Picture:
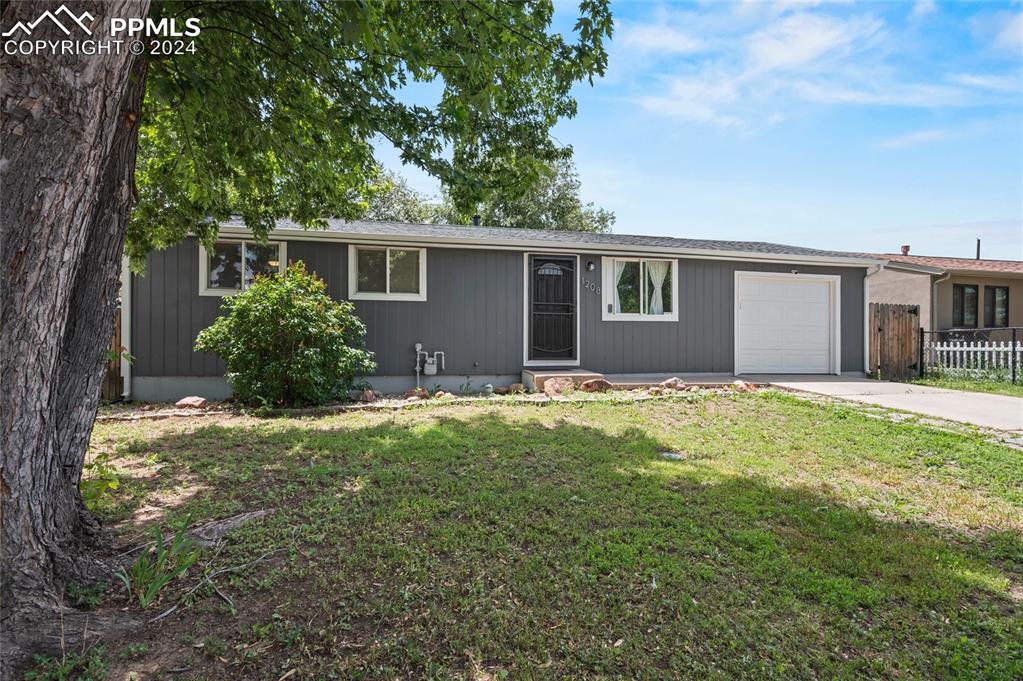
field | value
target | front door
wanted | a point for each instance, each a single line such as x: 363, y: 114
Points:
x: 552, y: 309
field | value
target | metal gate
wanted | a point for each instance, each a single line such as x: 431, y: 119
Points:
x: 894, y: 341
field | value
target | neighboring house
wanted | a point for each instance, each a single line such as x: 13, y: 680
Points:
x: 953, y: 293
x: 498, y: 301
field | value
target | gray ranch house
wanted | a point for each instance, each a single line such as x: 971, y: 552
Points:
x: 496, y: 305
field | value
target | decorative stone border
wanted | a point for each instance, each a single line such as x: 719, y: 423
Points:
x: 392, y: 404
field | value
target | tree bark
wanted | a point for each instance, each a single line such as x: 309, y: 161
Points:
x: 68, y: 128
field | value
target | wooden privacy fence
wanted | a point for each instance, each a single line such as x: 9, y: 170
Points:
x: 113, y: 382
x: 894, y: 341
x: 974, y: 357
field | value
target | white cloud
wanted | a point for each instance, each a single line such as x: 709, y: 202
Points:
x: 922, y: 8
x: 1010, y: 37
x: 747, y: 8
x: 914, y: 138
x: 802, y: 38
x: 754, y: 66
x: 660, y: 38
x: 881, y: 94
x: 700, y: 99
x: 1012, y: 83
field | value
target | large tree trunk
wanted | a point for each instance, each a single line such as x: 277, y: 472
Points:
x: 68, y: 131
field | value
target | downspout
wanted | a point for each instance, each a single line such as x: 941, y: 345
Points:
x: 934, y: 298
x: 126, y: 327
x: 866, y: 317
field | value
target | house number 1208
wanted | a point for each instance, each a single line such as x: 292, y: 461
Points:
x: 592, y: 286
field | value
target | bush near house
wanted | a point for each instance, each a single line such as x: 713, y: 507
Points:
x: 286, y: 342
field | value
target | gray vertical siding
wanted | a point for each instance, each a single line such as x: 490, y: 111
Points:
x: 473, y: 311
x: 703, y: 338
x: 168, y: 313
x: 474, y: 314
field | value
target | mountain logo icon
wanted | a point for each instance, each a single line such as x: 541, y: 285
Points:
x: 69, y: 17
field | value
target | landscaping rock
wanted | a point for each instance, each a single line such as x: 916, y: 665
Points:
x: 364, y: 396
x: 502, y: 390
x: 655, y: 390
x: 191, y: 402
x: 443, y: 395
x: 487, y: 390
x: 673, y: 383
x: 595, y: 385
x: 516, y: 388
x: 674, y: 456
x: 559, y: 385
x: 743, y: 387
x: 417, y: 393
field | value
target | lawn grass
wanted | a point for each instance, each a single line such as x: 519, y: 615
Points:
x: 793, y: 540
x: 973, y: 385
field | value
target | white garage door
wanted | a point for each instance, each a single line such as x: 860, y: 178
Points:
x: 785, y: 324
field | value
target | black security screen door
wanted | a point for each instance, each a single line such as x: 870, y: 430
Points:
x: 552, y: 308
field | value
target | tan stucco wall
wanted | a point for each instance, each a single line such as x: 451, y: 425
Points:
x: 904, y: 288
x: 944, y: 299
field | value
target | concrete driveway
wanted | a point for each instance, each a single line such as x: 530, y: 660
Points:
x: 980, y: 409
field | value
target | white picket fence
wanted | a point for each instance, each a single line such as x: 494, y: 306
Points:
x: 973, y: 357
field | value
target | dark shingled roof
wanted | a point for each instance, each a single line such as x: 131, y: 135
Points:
x: 462, y: 232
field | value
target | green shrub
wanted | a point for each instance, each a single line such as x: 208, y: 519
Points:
x: 286, y: 342
x: 147, y: 576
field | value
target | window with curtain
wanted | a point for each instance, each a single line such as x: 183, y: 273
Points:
x: 964, y: 305
x: 996, y: 306
x: 639, y: 288
x: 232, y: 266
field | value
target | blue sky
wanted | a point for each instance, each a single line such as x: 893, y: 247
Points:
x: 853, y: 126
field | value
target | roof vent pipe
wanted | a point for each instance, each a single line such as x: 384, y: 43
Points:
x: 905, y: 250
x: 476, y: 220
x: 978, y: 249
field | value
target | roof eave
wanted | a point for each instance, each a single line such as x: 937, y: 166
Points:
x: 555, y: 246
x: 912, y: 267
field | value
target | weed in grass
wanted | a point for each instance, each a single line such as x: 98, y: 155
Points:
x: 148, y: 575
x: 90, y: 665
x: 85, y: 597
x: 213, y: 646
x: 99, y: 480
x: 135, y: 650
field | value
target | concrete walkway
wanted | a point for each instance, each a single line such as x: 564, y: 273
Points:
x: 1000, y: 412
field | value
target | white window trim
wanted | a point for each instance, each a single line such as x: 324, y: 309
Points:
x: 204, y: 266
x: 526, y: 362
x: 608, y: 295
x: 353, y: 279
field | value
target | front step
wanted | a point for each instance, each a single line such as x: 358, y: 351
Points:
x: 534, y: 379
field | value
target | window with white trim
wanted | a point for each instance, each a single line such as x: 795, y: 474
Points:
x: 640, y: 289
x: 232, y: 265
x: 386, y: 273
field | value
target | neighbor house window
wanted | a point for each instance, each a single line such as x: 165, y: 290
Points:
x: 964, y: 305
x: 996, y: 306
x: 640, y: 289
x: 386, y: 273
x: 232, y: 266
